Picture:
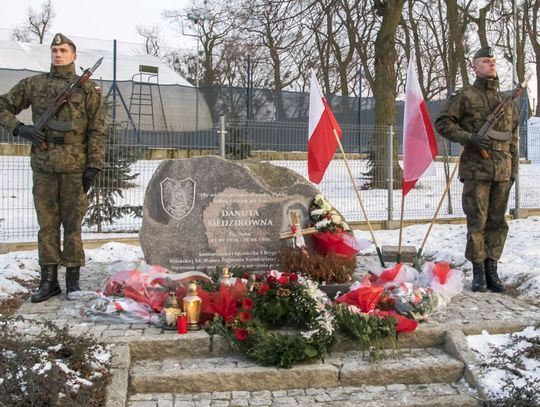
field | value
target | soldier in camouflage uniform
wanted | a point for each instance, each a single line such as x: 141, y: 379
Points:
x: 66, y: 157
x: 486, y: 182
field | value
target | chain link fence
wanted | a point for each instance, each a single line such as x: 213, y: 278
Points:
x: 116, y: 205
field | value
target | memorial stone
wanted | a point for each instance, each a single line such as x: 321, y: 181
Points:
x: 204, y: 212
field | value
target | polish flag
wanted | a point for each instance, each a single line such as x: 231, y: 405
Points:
x: 322, y: 142
x: 419, y: 144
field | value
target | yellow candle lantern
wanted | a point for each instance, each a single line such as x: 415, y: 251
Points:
x: 192, y: 307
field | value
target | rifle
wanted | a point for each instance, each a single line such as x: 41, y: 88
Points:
x: 46, y: 118
x: 498, y: 112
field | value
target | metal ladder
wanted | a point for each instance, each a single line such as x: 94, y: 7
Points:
x: 141, y: 101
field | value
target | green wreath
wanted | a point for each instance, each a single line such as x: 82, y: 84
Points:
x: 284, y: 320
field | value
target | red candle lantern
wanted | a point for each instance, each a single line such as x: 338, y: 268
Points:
x: 181, y: 323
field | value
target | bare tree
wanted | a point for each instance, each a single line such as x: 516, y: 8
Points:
x: 384, y: 90
x: 212, y: 22
x: 152, y: 39
x: 532, y: 22
x: 37, y: 25
x: 276, y: 27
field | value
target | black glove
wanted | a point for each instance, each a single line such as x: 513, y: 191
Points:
x: 480, y: 143
x: 29, y: 132
x: 90, y: 174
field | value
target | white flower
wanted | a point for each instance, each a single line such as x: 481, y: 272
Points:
x: 274, y: 273
x: 309, y: 334
x: 317, y: 212
x: 322, y: 223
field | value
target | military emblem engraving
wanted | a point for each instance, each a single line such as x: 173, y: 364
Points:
x: 178, y: 197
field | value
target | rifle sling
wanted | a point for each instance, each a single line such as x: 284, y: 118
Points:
x: 60, y: 126
x: 58, y: 140
x: 499, y: 135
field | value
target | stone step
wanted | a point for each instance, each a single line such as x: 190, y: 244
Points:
x: 395, y: 395
x: 170, y: 344
x: 236, y: 373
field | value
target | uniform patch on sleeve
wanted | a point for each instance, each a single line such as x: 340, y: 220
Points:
x: 97, y: 89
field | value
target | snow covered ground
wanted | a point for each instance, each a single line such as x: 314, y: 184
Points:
x: 519, y: 266
x: 18, y: 221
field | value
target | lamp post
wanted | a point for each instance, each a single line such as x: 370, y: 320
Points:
x: 197, y: 16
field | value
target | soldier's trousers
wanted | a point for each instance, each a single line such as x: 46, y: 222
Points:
x: 59, y: 200
x: 484, y: 204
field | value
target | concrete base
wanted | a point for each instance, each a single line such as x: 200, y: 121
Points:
x: 391, y: 224
x: 520, y: 213
x: 408, y: 253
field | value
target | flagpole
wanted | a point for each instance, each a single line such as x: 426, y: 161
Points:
x: 379, y: 253
x: 398, y: 259
x: 416, y: 263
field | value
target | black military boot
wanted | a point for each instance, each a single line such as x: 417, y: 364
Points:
x: 492, y: 278
x: 48, y: 286
x: 479, y: 278
x: 72, y: 280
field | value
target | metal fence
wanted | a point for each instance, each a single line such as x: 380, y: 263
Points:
x: 136, y: 155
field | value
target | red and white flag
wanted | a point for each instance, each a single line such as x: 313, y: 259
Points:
x: 419, y: 144
x: 322, y: 142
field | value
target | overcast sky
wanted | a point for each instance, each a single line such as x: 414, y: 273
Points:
x: 118, y: 19
x: 103, y: 19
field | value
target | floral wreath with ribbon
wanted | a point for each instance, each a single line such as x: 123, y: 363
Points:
x: 325, y: 217
x: 283, y: 320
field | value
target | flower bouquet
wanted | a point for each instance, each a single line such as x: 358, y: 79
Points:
x: 334, y: 235
x: 444, y: 280
x: 147, y: 284
x: 358, y: 316
x: 412, y: 300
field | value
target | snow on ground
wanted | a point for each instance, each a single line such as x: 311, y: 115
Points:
x: 519, y: 265
x: 18, y: 220
x: 508, y: 358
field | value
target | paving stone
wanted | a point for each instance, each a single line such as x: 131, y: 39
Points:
x: 296, y: 392
x: 141, y: 397
x: 239, y: 402
x: 221, y: 395
x: 260, y: 401
x: 142, y: 404
x: 240, y: 394
x: 201, y: 396
x: 315, y: 392
x: 396, y: 387
x: 284, y: 402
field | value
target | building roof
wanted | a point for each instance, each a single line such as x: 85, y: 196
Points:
x: 36, y: 58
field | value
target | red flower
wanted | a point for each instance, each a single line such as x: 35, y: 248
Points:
x: 271, y: 279
x: 244, y: 317
x: 283, y: 280
x: 293, y: 277
x: 247, y: 303
x: 241, y: 334
x: 264, y: 288
x: 245, y: 276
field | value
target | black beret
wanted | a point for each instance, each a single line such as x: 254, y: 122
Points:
x: 486, y: 52
x: 60, y: 39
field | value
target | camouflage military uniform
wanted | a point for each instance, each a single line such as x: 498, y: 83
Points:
x: 487, y: 182
x: 57, y: 171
